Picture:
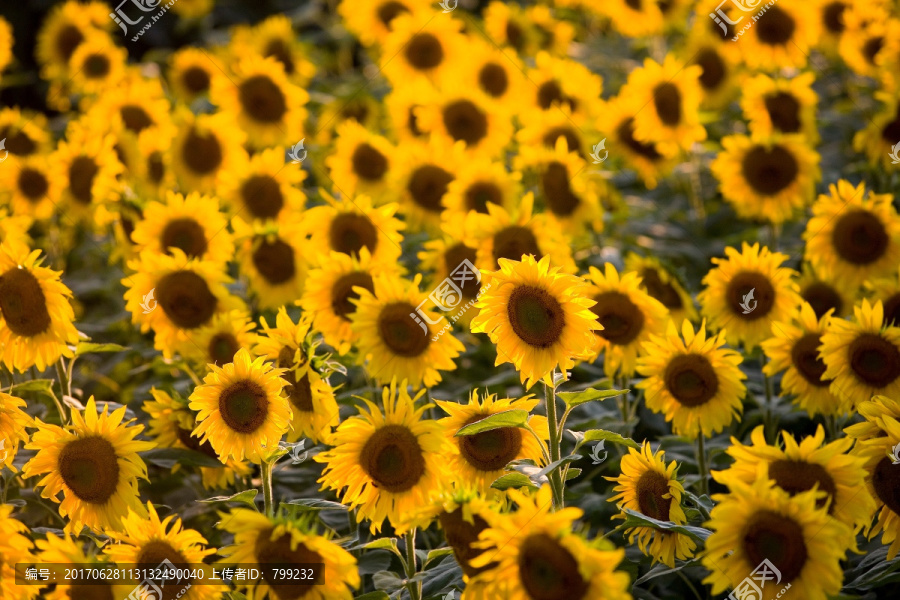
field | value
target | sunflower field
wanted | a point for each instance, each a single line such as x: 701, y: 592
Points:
x: 449, y: 300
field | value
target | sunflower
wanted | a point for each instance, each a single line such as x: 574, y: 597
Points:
x: 35, y: 311
x: 14, y: 228
x: 794, y: 349
x: 90, y: 168
x: 781, y: 105
x: 862, y: 355
x: 468, y: 116
x: 760, y: 521
x: 350, y: 224
x: 748, y: 291
x: 824, y: 295
x: 508, y: 25
x: 282, y: 541
x: 134, y: 106
x: 263, y: 187
x: 13, y: 421
x: 273, y: 257
x: 421, y: 45
x: 275, y: 38
x: 634, y: 19
x: 386, y: 465
x: 97, y: 65
x: 190, y: 74
x: 32, y: 187
x: 261, y: 99
x: 617, y: 124
x: 315, y: 411
x: 443, y: 256
x: 187, y: 292
x: 767, y: 178
x: 881, y: 133
x: 563, y: 84
x: 649, y: 486
x: 552, y: 34
x: 66, y: 552
x: 545, y: 128
x: 874, y: 412
x: 170, y: 426
x: 361, y: 161
x: 888, y: 58
x: 867, y: 27
x: 832, y: 26
x: 93, y: 463
x: 205, y: 148
x: 422, y: 179
x: 15, y: 548
x: 629, y: 317
x: 331, y: 290
x: 6, y: 44
x: 396, y: 333
x: 692, y: 380
x: 370, y: 21
x: 241, y: 409
x: 538, y: 317
x: 66, y: 27
x: 481, y: 458
x: 191, y: 223
x: 538, y: 555
x: 782, y: 37
x: 662, y: 285
x: 494, y: 73
x: 26, y: 134
x: 853, y: 235
x: 887, y: 290
x: 218, y: 341
x: 402, y: 104
x: 477, y: 184
x: 144, y: 540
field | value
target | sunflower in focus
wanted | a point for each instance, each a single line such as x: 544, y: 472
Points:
x: 361, y: 161
x: 315, y: 411
x: 15, y: 547
x: 190, y: 74
x: 68, y: 552
x: 824, y: 295
x: 13, y: 421
x: 387, y: 464
x: 32, y: 188
x: 273, y: 257
x: 650, y: 486
x: 421, y: 45
x: 767, y: 178
x: 538, y: 556
x: 881, y: 133
x: 862, y: 355
x: 93, y: 463
x: 285, y: 540
x: 187, y: 291
x: 853, y: 235
x: 35, y: 311
x: 145, y: 539
x: 205, y: 148
x: 219, y: 340
x: 538, y: 317
x: 191, y: 223
x: 874, y: 412
x: 781, y: 106
x: 240, y: 408
x: 781, y: 38
x: 794, y: 349
x: 692, y: 380
x: 628, y: 314
x: 748, y: 291
x: 396, y: 333
x: 263, y: 187
x: 662, y: 285
x: 482, y: 458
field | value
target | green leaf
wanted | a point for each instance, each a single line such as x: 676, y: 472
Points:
x: 388, y: 581
x: 589, y: 395
x: 436, y: 554
x: 572, y: 473
x: 35, y: 385
x: 245, y: 497
x: 507, y: 418
x: 596, y: 435
x: 557, y: 464
x: 89, y: 347
x: 169, y: 457
x: 636, y: 519
x: 379, y: 595
x: 316, y: 504
x: 512, y: 480
x: 660, y: 570
x: 379, y: 544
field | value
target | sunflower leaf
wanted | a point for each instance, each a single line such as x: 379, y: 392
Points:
x: 636, y: 519
x: 316, y: 504
x: 507, y: 418
x: 512, y: 480
x: 596, y: 435
x: 557, y: 464
x: 573, y: 399
x: 381, y: 543
x: 245, y: 497
x: 89, y: 347
x: 387, y: 580
x: 436, y: 554
x: 379, y: 595
x: 35, y: 385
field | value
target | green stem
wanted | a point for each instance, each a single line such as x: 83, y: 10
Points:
x: 540, y: 442
x: 555, y: 477
x: 414, y: 587
x: 265, y: 469
x: 701, y: 465
x: 64, y: 389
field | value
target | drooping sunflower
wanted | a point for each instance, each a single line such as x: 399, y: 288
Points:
x: 650, y: 486
x: 862, y: 355
x: 97, y: 64
x: 35, y: 311
x: 781, y: 105
x: 259, y: 97
x: 90, y: 169
x: 481, y: 458
x: 538, y: 556
x: 801, y: 467
x: 386, y: 464
x: 396, y: 328
x: 315, y: 411
x: 628, y: 314
x: 190, y: 73
x: 32, y: 187
x: 421, y: 45
x: 767, y: 178
x: 468, y: 116
x: 219, y: 340
x: 538, y: 317
x: 13, y: 421
x: 748, y: 291
x: 170, y: 426
x: 205, y: 148
x: 794, y: 349
x: 662, y: 285
x: 760, y: 521
x: 15, y: 548
x: 174, y: 295
x: 66, y: 551
x: 874, y: 412
x: 273, y: 257
x: 145, y: 539
x: 263, y: 187
x: 782, y: 37
x: 881, y: 133
x: 853, y: 235
x: 275, y: 38
x: 617, y: 124
x: 824, y: 294
x: 671, y: 93
x: 477, y: 184
x: 361, y: 162
x: 422, y: 178
x: 692, y: 380
x: 93, y: 463
x: 191, y: 223
x: 283, y: 541
x: 240, y: 408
